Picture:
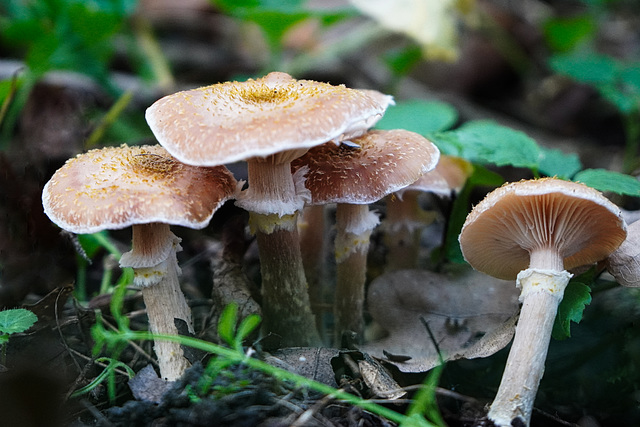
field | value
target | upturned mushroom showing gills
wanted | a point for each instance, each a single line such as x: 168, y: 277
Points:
x: 534, y: 231
x: 268, y: 122
x: 143, y: 187
x: 379, y: 163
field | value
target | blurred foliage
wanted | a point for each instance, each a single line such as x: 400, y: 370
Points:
x: 574, y: 44
x: 276, y: 17
x: 65, y: 35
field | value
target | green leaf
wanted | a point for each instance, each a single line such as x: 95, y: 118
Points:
x: 625, y: 103
x: 563, y: 34
x: 423, y: 117
x: 16, y: 320
x: 553, y: 162
x: 401, y: 61
x: 247, y: 326
x: 227, y: 324
x: 275, y: 17
x: 576, y: 297
x: 606, y: 180
x: 488, y: 142
x: 586, y: 67
x: 630, y: 76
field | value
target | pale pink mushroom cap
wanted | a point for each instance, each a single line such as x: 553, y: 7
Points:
x: 577, y: 221
x: 232, y: 121
x: 116, y: 187
x: 449, y: 175
x: 384, y: 162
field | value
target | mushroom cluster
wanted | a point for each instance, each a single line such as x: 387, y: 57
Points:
x: 533, y: 231
x: 354, y: 176
x: 268, y: 122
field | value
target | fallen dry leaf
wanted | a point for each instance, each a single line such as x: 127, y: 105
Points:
x: 467, y: 314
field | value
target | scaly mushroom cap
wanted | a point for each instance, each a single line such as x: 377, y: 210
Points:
x: 624, y: 262
x: 116, y: 187
x: 233, y: 121
x: 384, y: 162
x: 517, y: 218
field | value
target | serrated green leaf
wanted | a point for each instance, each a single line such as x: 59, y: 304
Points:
x: 553, y: 162
x: 606, y: 180
x: 485, y: 142
x: 16, y: 320
x: 423, y: 117
x: 576, y: 297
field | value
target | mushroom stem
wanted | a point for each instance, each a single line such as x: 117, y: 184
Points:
x: 285, y: 300
x: 153, y: 258
x: 541, y: 293
x: 311, y: 227
x: 354, y: 224
x: 273, y: 200
x: 404, y: 223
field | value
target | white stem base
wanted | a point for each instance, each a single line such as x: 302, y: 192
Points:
x: 166, y: 302
x: 542, y: 291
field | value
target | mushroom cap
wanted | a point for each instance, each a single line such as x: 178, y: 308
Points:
x: 116, y: 187
x: 384, y: 161
x: 517, y: 218
x: 450, y: 174
x: 624, y: 262
x: 232, y: 121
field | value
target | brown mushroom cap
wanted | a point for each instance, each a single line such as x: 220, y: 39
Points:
x: 116, y: 187
x: 450, y: 174
x: 384, y: 162
x: 520, y: 217
x: 233, y: 121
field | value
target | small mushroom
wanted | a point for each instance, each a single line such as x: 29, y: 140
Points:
x: 534, y: 231
x: 405, y: 217
x: 624, y: 262
x: 378, y: 163
x: 145, y: 188
x: 267, y: 122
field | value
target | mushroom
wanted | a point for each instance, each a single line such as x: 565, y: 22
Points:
x: 405, y: 217
x: 145, y: 188
x: 534, y: 231
x: 268, y: 122
x: 624, y: 262
x: 353, y: 176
